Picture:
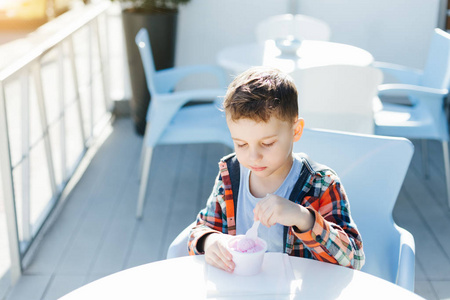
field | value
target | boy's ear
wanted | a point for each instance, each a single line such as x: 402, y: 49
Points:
x: 298, y: 128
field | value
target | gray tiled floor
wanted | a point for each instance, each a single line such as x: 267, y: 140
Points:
x: 422, y: 209
x: 96, y: 232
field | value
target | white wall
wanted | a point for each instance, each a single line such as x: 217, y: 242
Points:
x: 207, y: 26
x: 397, y: 31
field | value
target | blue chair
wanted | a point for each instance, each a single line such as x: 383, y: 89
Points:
x: 425, y: 118
x: 362, y: 162
x: 169, y: 120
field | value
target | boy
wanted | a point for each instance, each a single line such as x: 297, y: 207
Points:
x: 302, y: 204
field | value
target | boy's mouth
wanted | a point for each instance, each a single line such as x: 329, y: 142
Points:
x: 257, y: 169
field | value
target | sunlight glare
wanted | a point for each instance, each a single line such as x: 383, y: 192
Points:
x: 24, y: 9
x: 5, y: 3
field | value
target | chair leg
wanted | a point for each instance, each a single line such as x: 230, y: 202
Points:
x: 447, y: 169
x: 144, y: 181
x: 144, y: 147
x: 425, y: 167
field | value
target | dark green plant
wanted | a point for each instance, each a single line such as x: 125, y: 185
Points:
x: 151, y: 5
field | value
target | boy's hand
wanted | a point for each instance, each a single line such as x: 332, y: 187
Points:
x: 216, y: 253
x: 274, y: 209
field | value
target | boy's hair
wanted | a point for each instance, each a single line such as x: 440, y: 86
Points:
x: 259, y: 93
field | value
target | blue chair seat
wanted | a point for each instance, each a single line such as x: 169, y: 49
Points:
x: 202, y: 123
x: 412, y: 121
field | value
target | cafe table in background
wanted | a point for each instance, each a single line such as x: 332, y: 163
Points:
x: 308, y: 53
x: 281, y: 277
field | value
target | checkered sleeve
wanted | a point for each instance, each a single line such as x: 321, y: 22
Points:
x: 334, y: 236
x: 210, y: 219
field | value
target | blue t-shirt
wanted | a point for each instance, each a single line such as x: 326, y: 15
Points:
x: 247, y: 202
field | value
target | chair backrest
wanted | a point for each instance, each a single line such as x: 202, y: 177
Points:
x: 436, y: 73
x: 338, y: 97
x: 145, y: 49
x: 298, y: 26
x: 372, y: 170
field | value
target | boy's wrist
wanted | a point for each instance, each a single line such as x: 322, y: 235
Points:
x: 209, y: 239
x: 305, y: 221
x: 202, y: 243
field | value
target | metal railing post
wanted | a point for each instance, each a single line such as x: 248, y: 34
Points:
x: 8, y: 192
x: 62, y: 111
x: 45, y: 127
x: 26, y: 207
x: 77, y: 89
x: 103, y: 73
x: 91, y: 80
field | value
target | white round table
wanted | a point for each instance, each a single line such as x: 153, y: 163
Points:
x: 310, y: 54
x: 281, y: 277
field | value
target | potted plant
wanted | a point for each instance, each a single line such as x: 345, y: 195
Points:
x: 160, y: 19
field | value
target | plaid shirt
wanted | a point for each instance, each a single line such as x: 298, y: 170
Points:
x: 333, y: 238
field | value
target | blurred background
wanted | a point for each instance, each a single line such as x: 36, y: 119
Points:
x: 70, y: 57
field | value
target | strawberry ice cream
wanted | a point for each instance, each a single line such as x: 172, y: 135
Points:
x: 248, y: 254
x: 245, y: 245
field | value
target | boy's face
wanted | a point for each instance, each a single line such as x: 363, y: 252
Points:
x: 265, y: 148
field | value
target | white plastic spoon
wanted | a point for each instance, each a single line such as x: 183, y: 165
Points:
x: 252, y: 233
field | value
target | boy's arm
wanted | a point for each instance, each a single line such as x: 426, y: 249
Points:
x: 211, y: 219
x: 334, y: 237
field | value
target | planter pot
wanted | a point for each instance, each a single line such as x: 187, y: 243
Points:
x: 162, y: 31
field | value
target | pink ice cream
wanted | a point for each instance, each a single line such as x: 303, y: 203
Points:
x: 248, y: 254
x: 245, y: 245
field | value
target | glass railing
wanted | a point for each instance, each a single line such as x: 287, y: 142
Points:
x: 53, y: 103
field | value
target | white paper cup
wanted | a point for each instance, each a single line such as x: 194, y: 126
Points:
x: 247, y: 263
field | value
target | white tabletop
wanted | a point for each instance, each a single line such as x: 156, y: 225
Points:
x: 310, y: 54
x: 281, y: 277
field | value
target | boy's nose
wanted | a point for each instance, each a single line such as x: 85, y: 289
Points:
x: 255, y: 155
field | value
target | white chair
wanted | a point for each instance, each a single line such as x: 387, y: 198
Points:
x: 372, y: 170
x: 338, y: 97
x: 298, y: 27
x: 426, y: 90
x: 169, y: 121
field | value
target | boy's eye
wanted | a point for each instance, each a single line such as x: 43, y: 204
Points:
x: 241, y: 145
x: 268, y: 144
